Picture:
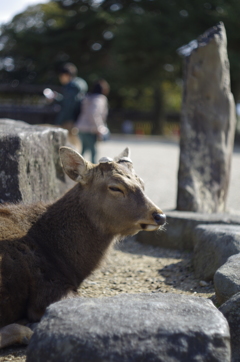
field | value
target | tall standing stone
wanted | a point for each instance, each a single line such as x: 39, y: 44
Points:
x: 207, y: 124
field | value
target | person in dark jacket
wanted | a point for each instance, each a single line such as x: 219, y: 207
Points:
x: 74, y: 90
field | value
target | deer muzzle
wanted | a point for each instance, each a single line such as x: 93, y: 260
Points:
x: 160, y: 219
x: 157, y: 221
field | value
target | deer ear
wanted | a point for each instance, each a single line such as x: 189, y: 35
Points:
x: 74, y: 164
x: 124, y: 153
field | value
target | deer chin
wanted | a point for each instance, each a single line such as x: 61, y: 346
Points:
x: 149, y: 227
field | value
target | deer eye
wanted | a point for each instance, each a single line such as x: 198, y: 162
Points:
x: 115, y: 189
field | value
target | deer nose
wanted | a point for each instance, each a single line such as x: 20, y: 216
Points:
x: 159, y: 218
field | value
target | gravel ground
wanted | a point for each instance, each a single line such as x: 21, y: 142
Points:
x: 132, y: 267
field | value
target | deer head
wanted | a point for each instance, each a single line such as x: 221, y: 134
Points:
x: 112, y: 193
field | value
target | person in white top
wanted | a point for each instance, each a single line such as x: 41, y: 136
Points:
x: 92, y: 119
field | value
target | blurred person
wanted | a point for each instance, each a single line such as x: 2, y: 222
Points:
x: 91, y: 123
x: 73, y: 91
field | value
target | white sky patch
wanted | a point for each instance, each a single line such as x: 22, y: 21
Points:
x: 10, y: 8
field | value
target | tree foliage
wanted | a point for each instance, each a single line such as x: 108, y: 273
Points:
x: 132, y: 43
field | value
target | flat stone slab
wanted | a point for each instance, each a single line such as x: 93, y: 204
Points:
x: 30, y: 168
x: 213, y: 245
x: 180, y: 229
x: 227, y: 279
x: 231, y: 311
x: 131, y: 327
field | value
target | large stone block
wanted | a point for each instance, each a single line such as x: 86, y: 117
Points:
x: 213, y: 245
x: 227, y: 279
x: 130, y: 328
x: 30, y: 167
x: 231, y: 311
x: 207, y: 124
x: 180, y: 228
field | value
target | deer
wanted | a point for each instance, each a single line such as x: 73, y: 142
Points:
x: 47, y: 250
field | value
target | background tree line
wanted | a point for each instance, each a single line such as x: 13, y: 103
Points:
x: 131, y: 43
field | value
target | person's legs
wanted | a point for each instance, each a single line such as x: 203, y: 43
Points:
x: 92, y: 146
x: 83, y: 138
x: 89, y: 143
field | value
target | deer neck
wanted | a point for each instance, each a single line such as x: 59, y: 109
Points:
x: 70, y: 237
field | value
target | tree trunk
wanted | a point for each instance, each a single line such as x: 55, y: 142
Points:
x: 158, y: 121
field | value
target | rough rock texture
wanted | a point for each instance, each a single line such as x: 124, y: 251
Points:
x: 207, y: 124
x: 227, y: 279
x: 231, y: 311
x: 180, y: 229
x: 140, y: 327
x: 30, y: 167
x: 214, y: 244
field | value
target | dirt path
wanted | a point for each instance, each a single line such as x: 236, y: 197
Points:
x: 132, y: 267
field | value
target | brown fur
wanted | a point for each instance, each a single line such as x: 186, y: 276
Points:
x: 46, y: 251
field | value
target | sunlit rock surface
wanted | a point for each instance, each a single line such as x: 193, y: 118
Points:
x: 207, y: 124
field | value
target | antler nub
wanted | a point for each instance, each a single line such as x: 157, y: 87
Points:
x: 125, y: 159
x: 105, y: 160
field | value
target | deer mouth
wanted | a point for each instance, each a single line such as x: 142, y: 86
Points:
x: 160, y: 220
x: 149, y: 227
